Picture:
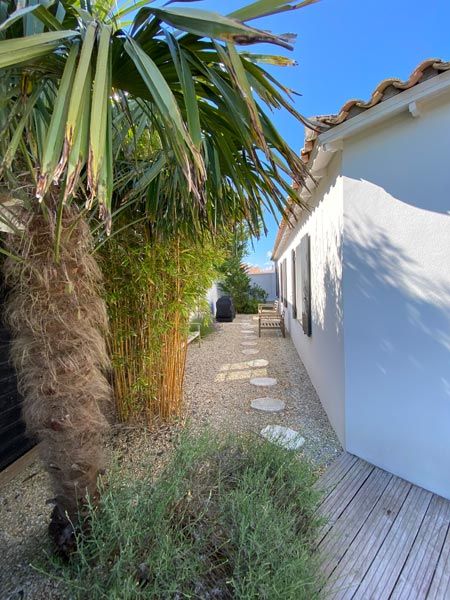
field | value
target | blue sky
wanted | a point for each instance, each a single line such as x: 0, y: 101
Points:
x: 343, y: 49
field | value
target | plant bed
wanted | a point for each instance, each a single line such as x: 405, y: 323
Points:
x: 225, y: 519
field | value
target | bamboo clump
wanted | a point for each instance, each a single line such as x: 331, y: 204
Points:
x: 150, y: 303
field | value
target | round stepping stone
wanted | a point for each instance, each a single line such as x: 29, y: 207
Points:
x: 258, y: 362
x: 287, y: 438
x: 268, y: 404
x: 250, y: 351
x: 263, y: 381
x: 249, y: 343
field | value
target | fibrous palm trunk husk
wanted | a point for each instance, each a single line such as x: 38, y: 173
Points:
x: 58, y: 320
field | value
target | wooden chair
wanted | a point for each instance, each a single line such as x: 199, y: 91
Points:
x: 270, y: 316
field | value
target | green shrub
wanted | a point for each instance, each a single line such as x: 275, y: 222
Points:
x: 231, y: 519
x: 204, y: 318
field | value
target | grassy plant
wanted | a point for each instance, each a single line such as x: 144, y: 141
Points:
x: 226, y: 519
x: 153, y: 285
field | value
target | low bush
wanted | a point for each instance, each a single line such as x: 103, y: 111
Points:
x: 206, y: 322
x: 227, y: 519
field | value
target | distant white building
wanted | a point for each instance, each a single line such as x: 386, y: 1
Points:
x: 365, y: 275
x: 266, y: 279
x: 212, y: 295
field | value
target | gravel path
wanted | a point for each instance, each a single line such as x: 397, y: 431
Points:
x: 218, y: 396
x: 219, y: 393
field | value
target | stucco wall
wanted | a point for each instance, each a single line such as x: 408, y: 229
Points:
x: 397, y: 296
x: 268, y: 283
x: 212, y: 295
x: 322, y: 353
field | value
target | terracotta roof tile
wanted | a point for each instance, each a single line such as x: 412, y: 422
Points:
x: 385, y: 89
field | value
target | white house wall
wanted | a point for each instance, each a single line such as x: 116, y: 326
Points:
x: 212, y: 295
x: 396, y: 297
x: 323, y: 352
x: 267, y: 281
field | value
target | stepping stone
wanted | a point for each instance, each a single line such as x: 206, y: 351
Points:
x: 287, y: 438
x: 258, y: 362
x: 268, y: 404
x: 263, y: 381
x: 249, y: 343
x: 250, y: 351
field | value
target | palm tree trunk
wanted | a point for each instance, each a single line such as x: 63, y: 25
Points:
x: 58, y: 320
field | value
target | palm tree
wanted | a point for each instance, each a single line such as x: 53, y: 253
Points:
x: 83, y: 92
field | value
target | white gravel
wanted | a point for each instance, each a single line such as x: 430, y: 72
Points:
x: 218, y: 395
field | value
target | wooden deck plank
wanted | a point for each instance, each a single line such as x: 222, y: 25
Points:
x: 337, y: 500
x: 356, y: 561
x: 380, y: 579
x: 336, y: 543
x: 440, y: 585
x: 334, y: 474
x: 417, y: 574
x: 385, y: 538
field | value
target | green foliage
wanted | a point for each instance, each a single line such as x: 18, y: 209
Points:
x: 235, y: 281
x: 152, y: 287
x: 226, y: 519
x: 205, y: 320
x: 84, y: 85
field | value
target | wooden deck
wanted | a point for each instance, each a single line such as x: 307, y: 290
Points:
x: 384, y: 537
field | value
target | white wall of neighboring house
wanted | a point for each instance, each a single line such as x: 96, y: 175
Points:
x: 266, y: 280
x: 397, y: 295
x: 323, y: 352
x: 212, y: 295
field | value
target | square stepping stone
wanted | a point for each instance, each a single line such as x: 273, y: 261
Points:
x: 263, y: 381
x: 268, y: 404
x: 287, y: 438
